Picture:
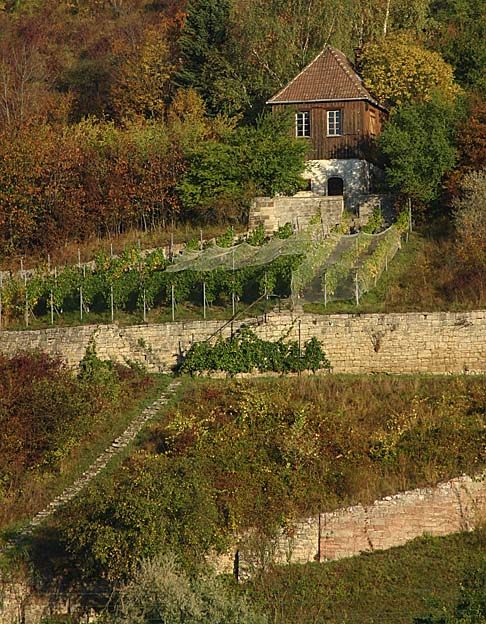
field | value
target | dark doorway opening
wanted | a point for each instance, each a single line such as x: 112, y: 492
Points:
x: 335, y: 186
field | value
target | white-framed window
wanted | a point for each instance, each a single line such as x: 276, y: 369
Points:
x: 302, y: 124
x: 334, y: 123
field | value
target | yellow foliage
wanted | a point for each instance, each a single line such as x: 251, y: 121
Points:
x: 143, y: 80
x: 397, y: 70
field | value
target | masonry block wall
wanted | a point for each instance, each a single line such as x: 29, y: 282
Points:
x: 439, y: 342
x: 299, y: 210
x: 457, y: 505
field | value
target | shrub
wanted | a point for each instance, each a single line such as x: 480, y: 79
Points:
x: 161, y: 592
x: 245, y: 351
x: 470, y: 224
x: 155, y: 503
x: 46, y: 411
x: 43, y: 412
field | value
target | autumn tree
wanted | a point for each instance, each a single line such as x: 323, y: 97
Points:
x: 25, y: 79
x: 459, y: 34
x: 397, y: 70
x: 471, y: 137
x: 23, y: 157
x: 142, y: 84
x: 470, y: 226
x: 471, y: 144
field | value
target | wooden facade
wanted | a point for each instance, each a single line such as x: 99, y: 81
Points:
x: 330, y: 83
x: 361, y: 123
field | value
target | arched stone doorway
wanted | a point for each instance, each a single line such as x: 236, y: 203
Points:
x: 335, y: 186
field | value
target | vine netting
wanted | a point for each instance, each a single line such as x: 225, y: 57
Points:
x: 304, y: 266
x: 242, y: 255
x: 344, y: 267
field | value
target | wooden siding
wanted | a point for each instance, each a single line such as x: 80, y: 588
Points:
x: 357, y: 128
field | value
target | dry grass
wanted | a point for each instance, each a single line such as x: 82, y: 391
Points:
x: 66, y: 253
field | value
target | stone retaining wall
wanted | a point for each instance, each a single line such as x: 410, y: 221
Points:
x: 451, y: 507
x: 298, y: 210
x: 454, y: 506
x: 439, y: 342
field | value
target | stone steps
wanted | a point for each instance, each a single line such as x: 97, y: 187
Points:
x: 99, y: 464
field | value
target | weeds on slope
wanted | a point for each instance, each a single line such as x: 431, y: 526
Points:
x: 233, y: 455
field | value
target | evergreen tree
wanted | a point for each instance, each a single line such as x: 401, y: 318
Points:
x: 203, y: 45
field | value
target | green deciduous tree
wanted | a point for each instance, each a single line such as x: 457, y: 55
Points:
x: 417, y: 143
x: 273, y: 161
x: 223, y: 176
x: 153, y: 506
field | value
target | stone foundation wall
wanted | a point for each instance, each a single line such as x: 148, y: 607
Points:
x: 298, y: 210
x: 20, y: 604
x: 439, y: 342
x: 355, y: 173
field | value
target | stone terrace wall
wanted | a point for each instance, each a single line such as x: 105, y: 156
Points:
x: 454, y: 506
x: 440, y: 342
x: 273, y: 212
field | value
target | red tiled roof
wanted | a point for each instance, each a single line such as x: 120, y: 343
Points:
x: 328, y: 77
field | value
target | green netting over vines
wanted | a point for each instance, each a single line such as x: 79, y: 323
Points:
x: 308, y: 266
x: 333, y: 267
x: 343, y: 267
x: 242, y: 255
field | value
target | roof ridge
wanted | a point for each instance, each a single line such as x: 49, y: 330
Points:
x: 297, y: 76
x: 351, y: 74
x: 330, y: 76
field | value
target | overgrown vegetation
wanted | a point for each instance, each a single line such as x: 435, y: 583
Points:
x: 471, y: 604
x: 245, y: 352
x: 237, y: 455
x: 143, y: 114
x: 470, y: 225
